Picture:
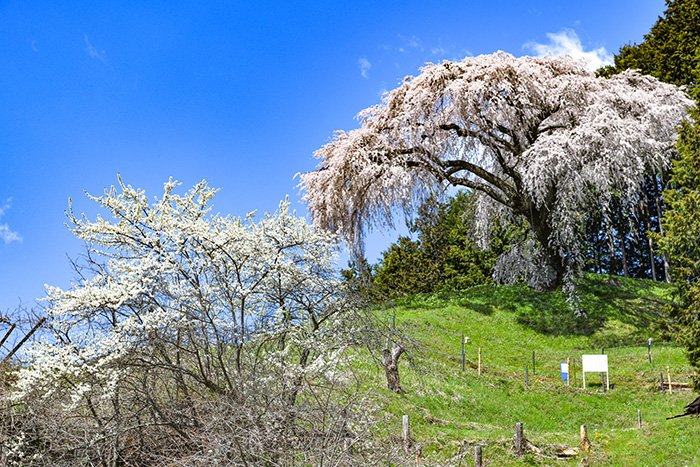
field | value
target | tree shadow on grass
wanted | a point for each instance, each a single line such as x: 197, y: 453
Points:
x: 601, y: 300
x: 476, y: 298
x: 635, y: 303
x: 630, y: 301
x: 548, y: 313
x: 483, y: 308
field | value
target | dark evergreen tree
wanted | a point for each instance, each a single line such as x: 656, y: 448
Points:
x: 443, y: 255
x: 671, y: 53
x: 681, y: 240
x: 671, y: 49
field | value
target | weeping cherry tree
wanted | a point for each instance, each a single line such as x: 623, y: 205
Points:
x: 540, y: 141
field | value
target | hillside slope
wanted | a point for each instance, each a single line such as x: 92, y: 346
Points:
x: 452, y: 410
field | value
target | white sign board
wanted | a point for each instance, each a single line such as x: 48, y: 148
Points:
x: 594, y: 363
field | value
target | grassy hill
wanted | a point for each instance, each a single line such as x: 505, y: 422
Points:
x: 452, y: 410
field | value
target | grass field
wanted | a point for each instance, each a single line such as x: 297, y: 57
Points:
x: 452, y: 410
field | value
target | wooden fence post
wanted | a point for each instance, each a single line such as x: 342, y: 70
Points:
x: 406, y: 434
x: 477, y: 457
x: 519, y: 440
x: 479, y: 364
x: 639, y: 417
x: 585, y: 442
x: 527, y: 378
x: 534, y: 372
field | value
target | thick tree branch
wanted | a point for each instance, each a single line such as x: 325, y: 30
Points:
x: 481, y: 187
x: 456, y: 165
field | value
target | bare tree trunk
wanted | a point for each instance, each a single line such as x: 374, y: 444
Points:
x: 391, y: 366
x: 625, y: 269
x: 657, y: 202
x: 647, y: 228
x: 612, y: 270
x: 651, y: 258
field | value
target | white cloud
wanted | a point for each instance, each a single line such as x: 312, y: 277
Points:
x: 93, y: 52
x: 567, y: 42
x: 365, y: 66
x: 410, y: 43
x: 7, y: 235
x: 441, y: 51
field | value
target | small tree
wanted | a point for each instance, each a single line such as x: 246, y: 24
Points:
x: 191, y: 339
x: 539, y: 139
x: 443, y: 256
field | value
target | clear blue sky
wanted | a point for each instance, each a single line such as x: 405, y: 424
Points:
x: 240, y: 93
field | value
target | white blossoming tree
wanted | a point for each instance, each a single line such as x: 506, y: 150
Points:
x: 540, y: 140
x: 192, y: 338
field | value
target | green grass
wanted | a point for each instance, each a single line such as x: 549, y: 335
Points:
x: 452, y: 410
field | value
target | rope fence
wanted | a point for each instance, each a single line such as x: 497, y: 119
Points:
x: 542, y: 371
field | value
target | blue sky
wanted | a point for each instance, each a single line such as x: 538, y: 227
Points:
x: 239, y: 93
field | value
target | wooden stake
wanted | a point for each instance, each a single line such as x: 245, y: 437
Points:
x: 534, y: 372
x: 406, y: 434
x: 463, y: 356
x: 527, y: 379
x: 585, y: 442
x: 668, y: 374
x: 479, y: 365
x: 477, y: 457
x: 639, y: 417
x: 519, y: 439
x: 573, y: 368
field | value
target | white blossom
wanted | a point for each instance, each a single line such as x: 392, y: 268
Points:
x: 170, y: 269
x: 539, y: 139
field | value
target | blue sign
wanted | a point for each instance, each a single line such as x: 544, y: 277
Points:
x: 564, y: 371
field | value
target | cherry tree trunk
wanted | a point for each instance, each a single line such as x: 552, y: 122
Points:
x: 539, y: 222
